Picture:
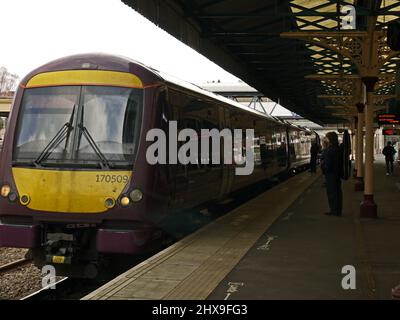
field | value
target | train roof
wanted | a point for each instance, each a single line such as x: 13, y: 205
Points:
x: 149, y: 75
x: 197, y: 89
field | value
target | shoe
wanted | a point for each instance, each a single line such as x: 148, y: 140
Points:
x: 387, y: 173
x: 328, y: 213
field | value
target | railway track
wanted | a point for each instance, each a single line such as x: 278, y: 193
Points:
x: 65, y: 289
x: 46, y: 292
x: 14, y: 265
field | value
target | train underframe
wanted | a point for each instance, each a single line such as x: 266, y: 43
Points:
x: 82, y: 250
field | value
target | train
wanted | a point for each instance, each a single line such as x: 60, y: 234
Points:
x: 76, y: 186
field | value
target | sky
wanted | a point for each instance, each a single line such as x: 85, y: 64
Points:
x: 35, y: 32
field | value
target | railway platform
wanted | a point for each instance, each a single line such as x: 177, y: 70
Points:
x: 279, y: 245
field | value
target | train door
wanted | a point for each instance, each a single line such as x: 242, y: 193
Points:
x: 293, y: 144
x: 178, y: 171
x: 228, y: 170
x: 212, y: 175
x: 267, y: 155
x: 202, y: 177
x: 197, y: 191
x: 286, y: 144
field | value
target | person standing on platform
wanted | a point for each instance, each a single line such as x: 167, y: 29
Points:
x: 325, y: 145
x: 324, y: 148
x: 314, y: 150
x: 330, y: 166
x: 389, y: 153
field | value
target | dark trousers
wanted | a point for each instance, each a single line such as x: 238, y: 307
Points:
x: 334, y: 192
x: 389, y: 165
x: 313, y: 164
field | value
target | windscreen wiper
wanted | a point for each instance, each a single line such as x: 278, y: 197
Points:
x: 57, y: 139
x: 92, y: 143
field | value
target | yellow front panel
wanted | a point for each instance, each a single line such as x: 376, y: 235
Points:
x: 85, y: 77
x: 69, y: 191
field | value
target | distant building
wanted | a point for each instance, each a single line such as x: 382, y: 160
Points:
x: 5, y: 106
x: 5, y: 103
x: 8, y: 94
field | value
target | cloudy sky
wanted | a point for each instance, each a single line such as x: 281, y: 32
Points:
x: 36, y: 32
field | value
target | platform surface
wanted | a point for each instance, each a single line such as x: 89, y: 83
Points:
x: 194, y: 266
x: 279, y: 245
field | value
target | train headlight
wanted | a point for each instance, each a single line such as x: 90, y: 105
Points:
x: 24, y: 199
x: 12, y: 196
x: 125, y: 201
x: 5, y: 191
x: 109, y: 203
x: 136, y: 195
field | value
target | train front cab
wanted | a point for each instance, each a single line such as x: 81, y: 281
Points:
x: 69, y: 190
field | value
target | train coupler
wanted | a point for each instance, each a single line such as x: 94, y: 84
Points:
x: 59, y: 248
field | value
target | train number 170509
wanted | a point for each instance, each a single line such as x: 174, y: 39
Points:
x: 108, y: 178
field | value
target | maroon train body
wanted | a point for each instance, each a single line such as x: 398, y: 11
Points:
x: 52, y: 202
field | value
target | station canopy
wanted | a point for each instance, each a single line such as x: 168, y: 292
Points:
x: 306, y: 54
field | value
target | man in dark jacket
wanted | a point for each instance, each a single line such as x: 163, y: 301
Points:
x: 314, y: 150
x: 330, y: 166
x: 389, y: 152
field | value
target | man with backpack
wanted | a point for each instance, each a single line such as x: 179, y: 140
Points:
x: 331, y: 167
x: 389, y: 152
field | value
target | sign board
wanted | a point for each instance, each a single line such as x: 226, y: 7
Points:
x: 391, y: 132
x: 388, y: 119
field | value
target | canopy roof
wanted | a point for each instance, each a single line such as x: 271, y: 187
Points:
x: 307, y: 75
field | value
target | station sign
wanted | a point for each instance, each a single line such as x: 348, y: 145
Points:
x: 388, y: 119
x: 391, y: 132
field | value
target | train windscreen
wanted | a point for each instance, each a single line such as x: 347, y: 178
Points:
x: 78, y: 125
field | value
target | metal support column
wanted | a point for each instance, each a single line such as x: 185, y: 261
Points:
x: 359, y: 184
x: 368, y: 208
x: 354, y: 146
